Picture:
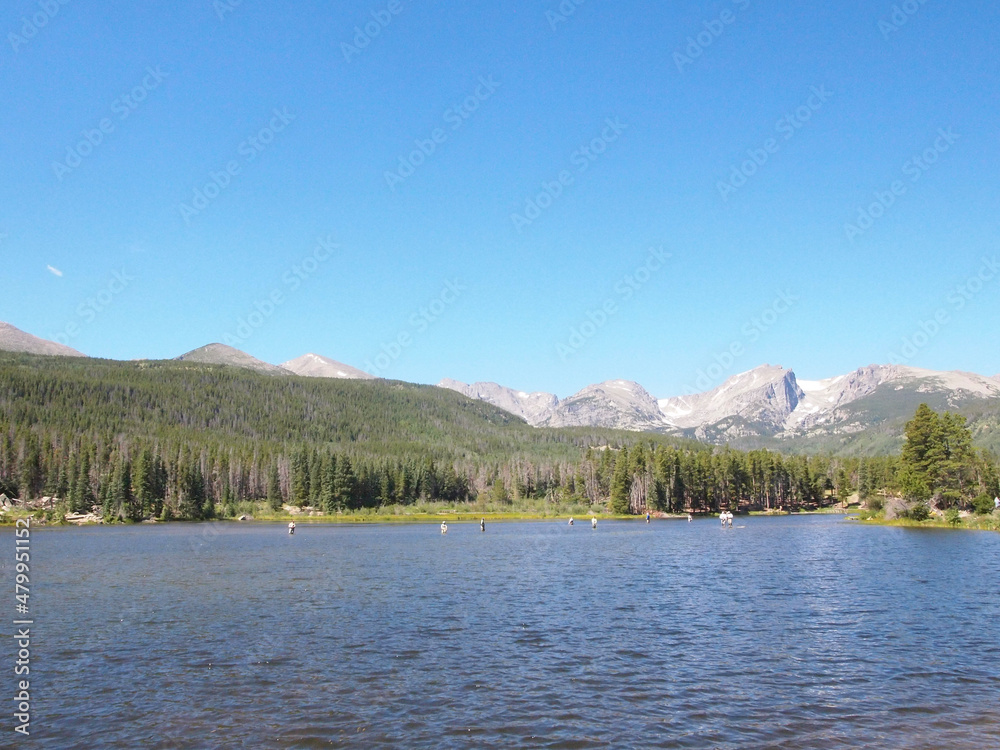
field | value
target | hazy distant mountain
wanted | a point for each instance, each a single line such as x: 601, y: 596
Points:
x: 534, y: 408
x: 751, y: 403
x: 15, y: 340
x: 771, y: 402
x: 825, y: 397
x: 620, y: 404
x: 767, y: 406
x: 317, y: 366
x: 220, y: 354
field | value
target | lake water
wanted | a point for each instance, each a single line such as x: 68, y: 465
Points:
x: 792, y: 632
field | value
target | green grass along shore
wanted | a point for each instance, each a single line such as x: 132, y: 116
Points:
x: 457, y: 513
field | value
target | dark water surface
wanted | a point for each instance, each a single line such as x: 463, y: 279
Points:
x: 794, y: 632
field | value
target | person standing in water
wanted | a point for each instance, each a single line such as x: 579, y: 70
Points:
x: 444, y: 527
x: 482, y: 524
x: 593, y: 522
x: 291, y: 527
x: 647, y: 516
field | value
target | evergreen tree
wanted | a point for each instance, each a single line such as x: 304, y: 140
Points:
x: 315, y: 480
x: 329, y: 484
x: 938, y: 460
x: 678, y: 500
x: 82, y: 498
x: 498, y: 493
x: 955, y: 472
x: 344, y: 486
x: 142, y: 486
x: 192, y: 493
x: 842, y: 485
x: 32, y: 479
x: 300, y: 478
x: 116, y: 496
x: 621, y: 484
x: 274, y: 498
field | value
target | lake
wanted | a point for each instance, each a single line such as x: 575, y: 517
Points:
x: 788, y: 632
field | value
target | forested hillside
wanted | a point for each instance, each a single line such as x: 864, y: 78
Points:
x: 175, y: 439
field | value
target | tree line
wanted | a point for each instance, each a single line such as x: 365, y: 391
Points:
x: 172, y: 440
x: 133, y: 480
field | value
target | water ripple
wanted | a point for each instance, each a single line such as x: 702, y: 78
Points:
x: 794, y: 632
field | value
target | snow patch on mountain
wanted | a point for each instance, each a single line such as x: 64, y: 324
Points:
x: 766, y: 395
x: 317, y: 366
x: 766, y: 401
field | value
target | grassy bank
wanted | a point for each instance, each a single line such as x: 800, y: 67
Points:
x: 832, y: 510
x: 975, y: 523
x: 425, y: 512
x: 422, y: 512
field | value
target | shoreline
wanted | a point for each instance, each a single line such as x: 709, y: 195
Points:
x: 424, y: 517
x: 361, y: 518
x: 968, y: 523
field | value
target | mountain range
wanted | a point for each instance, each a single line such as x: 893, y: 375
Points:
x: 765, y: 407
x: 308, y: 365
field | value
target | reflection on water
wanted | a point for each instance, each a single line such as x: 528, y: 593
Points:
x: 795, y: 632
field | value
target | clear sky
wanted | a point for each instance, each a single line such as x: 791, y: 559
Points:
x: 819, y: 181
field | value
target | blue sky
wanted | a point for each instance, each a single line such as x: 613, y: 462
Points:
x: 741, y: 140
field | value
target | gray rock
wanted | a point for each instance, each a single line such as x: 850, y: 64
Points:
x: 15, y: 340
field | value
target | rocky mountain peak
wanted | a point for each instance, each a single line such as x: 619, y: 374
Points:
x: 621, y: 404
x: 221, y: 354
x: 534, y: 408
x: 317, y: 366
x: 766, y: 395
x: 15, y: 340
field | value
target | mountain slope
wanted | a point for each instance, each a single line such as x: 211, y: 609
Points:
x: 534, y: 408
x: 618, y: 404
x: 15, y: 340
x: 220, y: 354
x: 756, y: 402
x: 873, y: 404
x: 317, y: 366
x: 194, y: 404
x: 825, y: 397
x: 863, y: 411
x: 770, y: 407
